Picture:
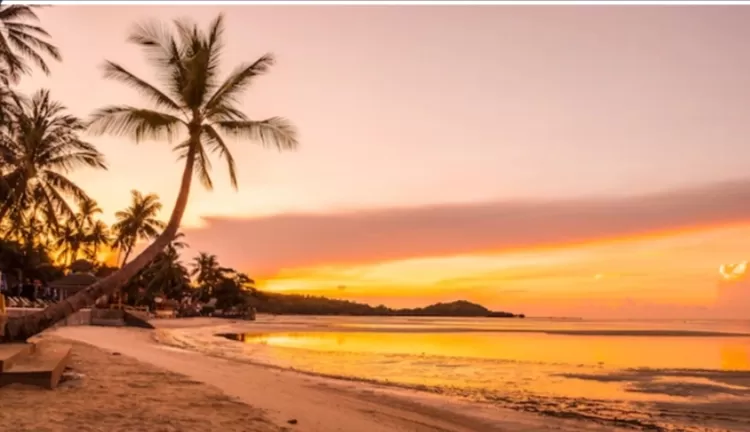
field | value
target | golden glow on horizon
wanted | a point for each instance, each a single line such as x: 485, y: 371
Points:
x: 674, y: 267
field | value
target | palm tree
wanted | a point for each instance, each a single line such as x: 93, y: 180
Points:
x: 68, y: 241
x: 195, y: 103
x: 177, y: 243
x: 137, y: 222
x: 21, y: 42
x: 207, y: 272
x: 165, y: 275
x: 170, y: 277
x: 87, y: 210
x: 205, y: 268
x: 29, y: 232
x: 97, y: 237
x: 243, y: 280
x: 42, y: 146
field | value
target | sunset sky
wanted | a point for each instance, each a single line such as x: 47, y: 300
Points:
x: 590, y: 161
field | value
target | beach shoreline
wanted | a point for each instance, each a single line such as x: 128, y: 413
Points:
x: 673, y: 410
x: 311, y: 403
x: 282, y: 398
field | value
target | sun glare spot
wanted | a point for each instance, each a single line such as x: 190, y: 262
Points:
x: 733, y: 271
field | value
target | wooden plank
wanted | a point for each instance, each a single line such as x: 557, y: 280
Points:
x: 13, y: 352
x: 42, y: 368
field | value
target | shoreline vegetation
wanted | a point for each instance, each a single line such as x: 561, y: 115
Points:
x: 296, y: 304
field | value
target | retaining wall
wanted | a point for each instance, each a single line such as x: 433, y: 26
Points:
x: 82, y: 317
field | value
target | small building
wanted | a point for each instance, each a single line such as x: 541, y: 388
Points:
x: 72, y: 283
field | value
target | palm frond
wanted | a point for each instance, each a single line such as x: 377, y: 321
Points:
x: 216, y: 144
x: 162, y: 51
x: 26, y: 28
x: 21, y: 41
x: 76, y: 159
x: 139, y: 124
x: 18, y: 12
x: 275, y: 131
x: 237, y: 82
x: 115, y: 71
x: 57, y: 202
x: 13, y: 65
x: 154, y: 39
x: 65, y: 185
x: 202, y: 168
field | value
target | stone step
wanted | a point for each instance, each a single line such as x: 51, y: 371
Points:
x: 13, y: 352
x: 43, y: 367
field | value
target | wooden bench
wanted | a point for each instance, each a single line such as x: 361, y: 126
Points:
x: 43, y: 366
x: 12, y: 352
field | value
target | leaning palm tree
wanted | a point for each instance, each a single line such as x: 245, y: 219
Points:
x: 21, y: 42
x: 195, y: 105
x: 137, y: 222
x: 40, y: 147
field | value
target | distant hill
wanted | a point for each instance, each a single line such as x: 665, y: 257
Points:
x: 294, y: 304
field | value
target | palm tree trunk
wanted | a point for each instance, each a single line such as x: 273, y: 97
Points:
x: 21, y: 328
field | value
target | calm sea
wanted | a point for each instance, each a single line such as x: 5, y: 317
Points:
x: 659, y: 375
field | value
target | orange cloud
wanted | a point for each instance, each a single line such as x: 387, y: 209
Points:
x: 268, y: 245
x: 637, y: 256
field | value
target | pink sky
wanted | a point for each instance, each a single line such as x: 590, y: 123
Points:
x: 539, y: 109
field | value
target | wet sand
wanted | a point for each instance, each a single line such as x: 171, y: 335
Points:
x: 315, y: 403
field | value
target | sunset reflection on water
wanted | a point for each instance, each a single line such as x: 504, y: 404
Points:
x: 594, y: 369
x: 621, y: 351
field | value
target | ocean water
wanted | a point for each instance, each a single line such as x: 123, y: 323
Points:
x: 653, y: 375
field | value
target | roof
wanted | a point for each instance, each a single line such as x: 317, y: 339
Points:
x: 74, y: 282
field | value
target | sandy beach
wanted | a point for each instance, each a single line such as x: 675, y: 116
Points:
x: 123, y: 380
x: 104, y: 391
